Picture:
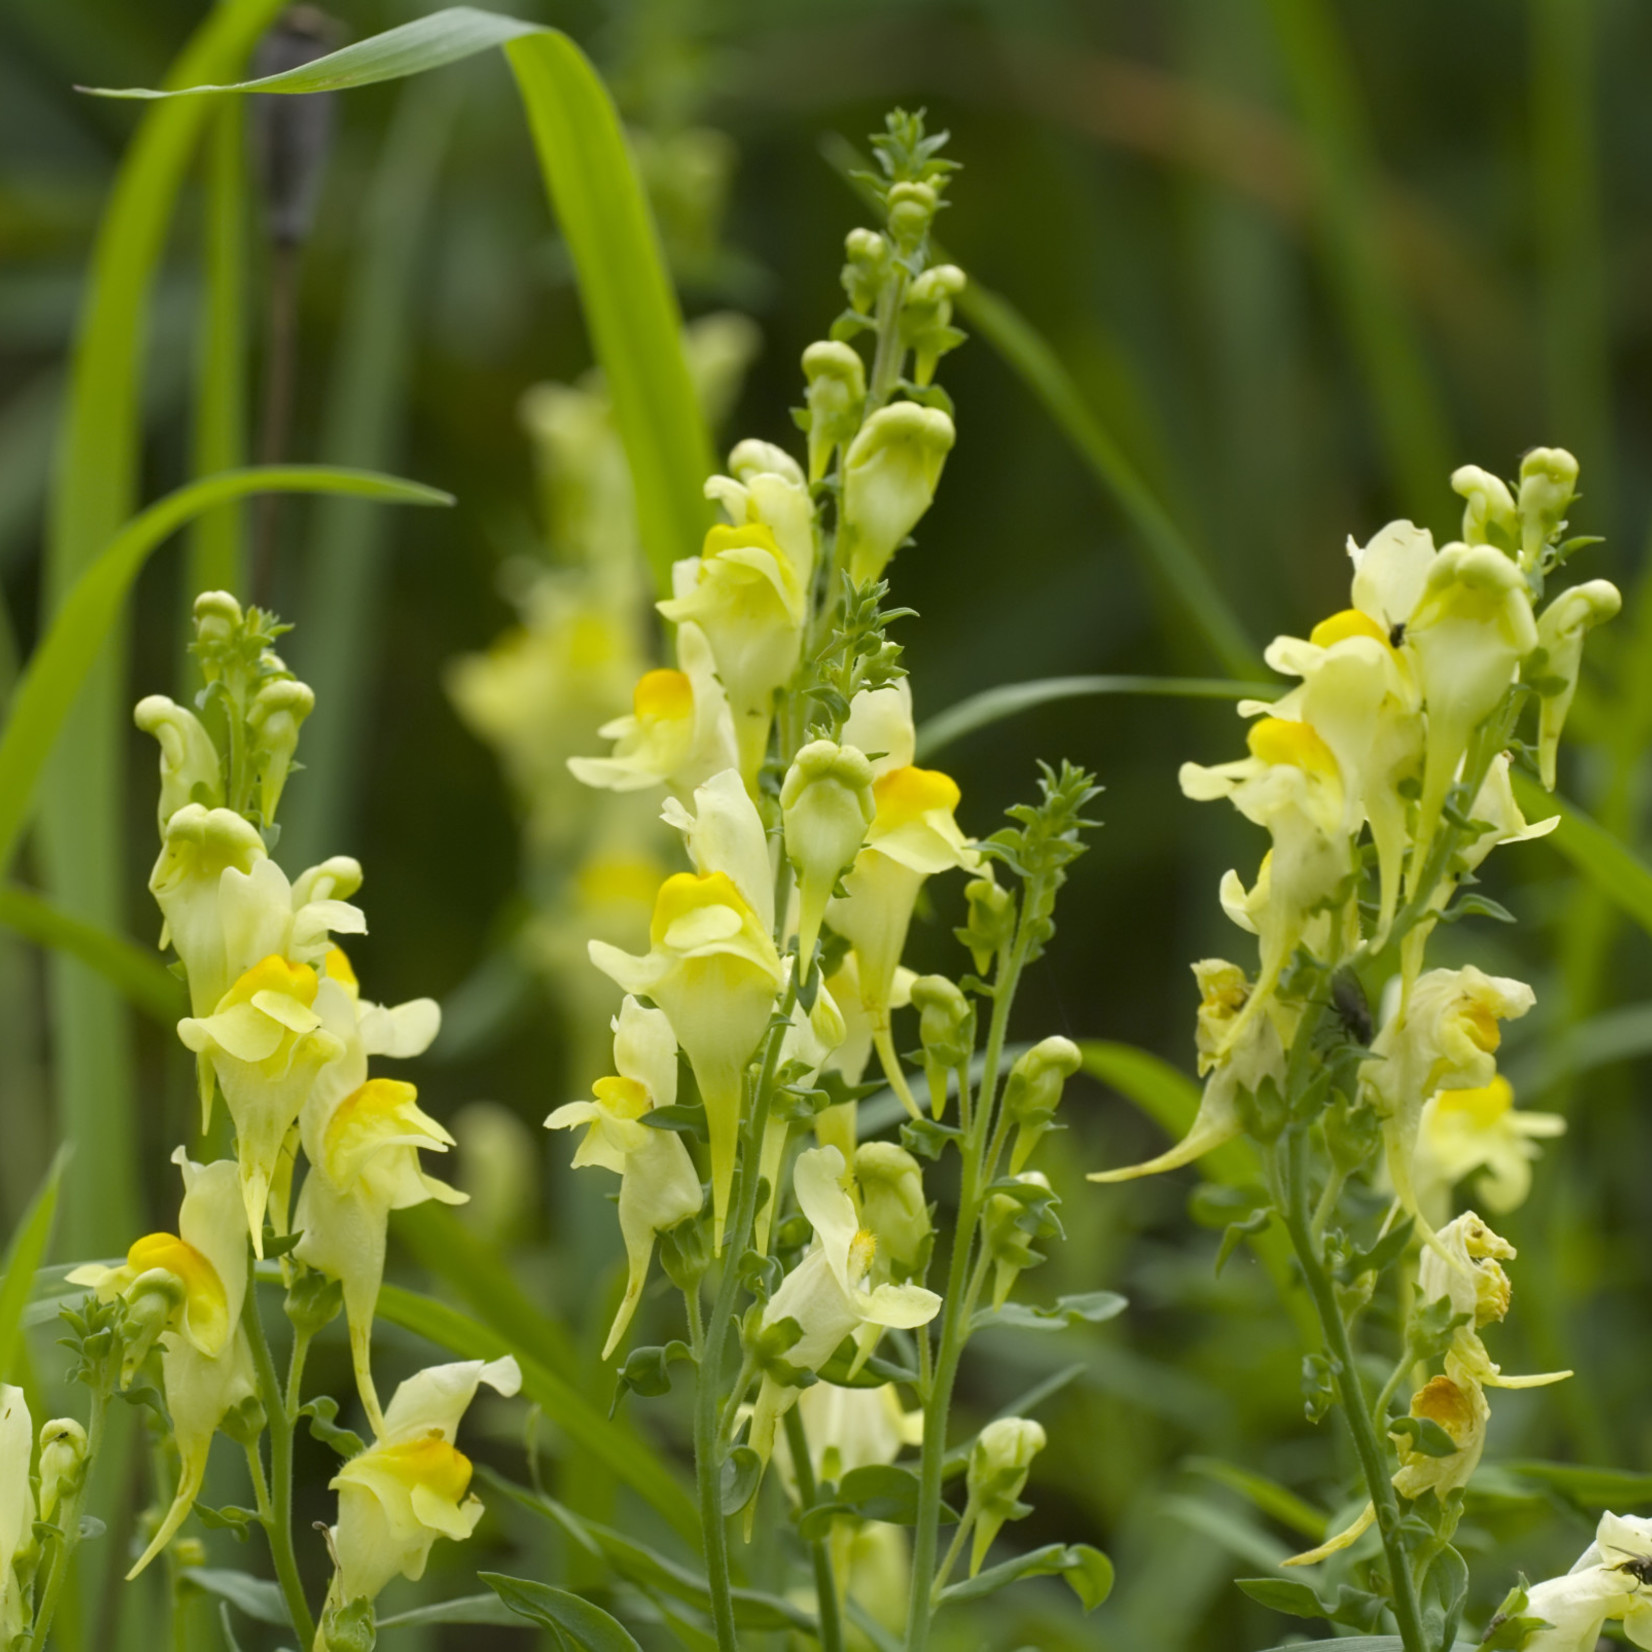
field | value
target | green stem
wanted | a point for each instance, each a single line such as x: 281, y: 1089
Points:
x: 295, y: 1373
x: 278, y: 1521
x: 708, y: 1453
x: 886, y: 362
x: 1350, y: 1391
x: 68, y: 1521
x: 803, y: 1471
x: 950, y: 1558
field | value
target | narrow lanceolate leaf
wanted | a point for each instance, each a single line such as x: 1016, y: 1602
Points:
x: 87, y: 615
x: 632, y: 313
x: 136, y: 973
x: 993, y: 705
x: 1607, y: 862
x: 23, y: 1256
x: 568, y: 1617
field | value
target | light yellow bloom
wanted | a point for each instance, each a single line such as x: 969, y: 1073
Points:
x: 767, y: 490
x: 890, y: 1184
x: 188, y: 1289
x: 1478, y: 1133
x: 1575, y: 1609
x: 659, y: 1186
x: 713, y: 969
x: 1443, y: 1035
x: 409, y: 1487
x: 1390, y: 572
x: 16, y: 1505
x: 190, y: 768
x: 826, y: 806
x: 1561, y: 628
x: 828, y: 1295
x: 1230, y: 1063
x: 744, y: 593
x: 849, y: 1428
x: 914, y: 835
x: 890, y: 472
x: 680, y: 730
x: 724, y: 833
x: 1621, y: 1540
x: 880, y: 725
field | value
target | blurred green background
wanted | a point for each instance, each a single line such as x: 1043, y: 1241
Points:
x: 1300, y: 259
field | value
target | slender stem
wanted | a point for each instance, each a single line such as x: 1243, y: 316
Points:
x: 950, y: 1558
x: 278, y: 1523
x: 803, y: 1472
x: 1350, y: 1391
x: 68, y: 1521
x: 708, y: 1453
x: 886, y: 362
x: 295, y: 1372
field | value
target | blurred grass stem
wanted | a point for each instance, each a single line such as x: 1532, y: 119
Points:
x: 803, y: 1471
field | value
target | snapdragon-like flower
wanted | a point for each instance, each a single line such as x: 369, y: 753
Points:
x: 767, y: 489
x: 1229, y: 1064
x: 659, y: 1186
x: 744, y: 593
x: 999, y: 1463
x: 191, y: 771
x: 680, y: 730
x: 829, y: 1295
x: 890, y: 472
x: 409, y: 1487
x: 914, y: 835
x: 1444, y: 1035
x: 826, y: 806
x: 835, y: 395
x: 187, y: 1289
x: 1478, y: 1133
x: 713, y: 969
x: 362, y: 1137
x: 16, y: 1505
x: 1561, y: 628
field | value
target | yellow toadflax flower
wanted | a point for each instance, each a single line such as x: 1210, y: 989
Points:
x: 913, y: 836
x: 16, y: 1505
x: 712, y: 968
x: 659, y: 1186
x: 829, y: 1295
x: 767, y: 489
x: 1478, y: 1133
x: 187, y: 1290
x: 409, y: 1487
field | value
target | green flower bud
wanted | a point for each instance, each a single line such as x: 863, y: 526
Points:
x: 62, y: 1463
x: 217, y: 628
x: 1489, y: 518
x: 836, y: 395
x: 274, y: 717
x: 1008, y: 1228
x: 244, y: 1421
x: 998, y: 1466
x: 826, y: 806
x: 946, y: 1025
x: 190, y: 769
x: 349, y: 1628
x: 911, y: 210
x: 153, y: 1302
x: 1033, y: 1092
x: 893, y: 1207
x: 991, y: 925
x: 926, y: 318
x: 890, y: 473
x: 867, y: 268
x: 1548, y: 484
x: 1553, y: 668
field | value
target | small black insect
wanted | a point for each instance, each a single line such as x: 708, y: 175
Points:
x: 1349, y: 1002
x: 1639, y: 1567
x: 1396, y: 633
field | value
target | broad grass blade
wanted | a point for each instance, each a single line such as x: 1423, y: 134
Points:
x: 24, y: 1255
x: 136, y: 973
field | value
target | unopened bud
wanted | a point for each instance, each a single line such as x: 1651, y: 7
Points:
x: 245, y: 1420
x: 911, y: 210
x: 1033, y: 1092
x: 1489, y: 517
x: 867, y: 268
x: 62, y: 1463
x: 217, y: 625
x: 190, y: 770
x: 1548, y: 484
x: 893, y: 1207
x: 349, y: 1628
x: 835, y: 395
x: 752, y: 458
x: 998, y: 1466
x: 946, y: 1026
x: 1553, y: 669
x: 1009, y: 1224
x: 826, y: 806
x: 153, y: 1302
x: 926, y: 318
x: 890, y: 474
x: 991, y: 925
x: 276, y: 713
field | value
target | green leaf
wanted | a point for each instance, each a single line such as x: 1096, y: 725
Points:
x: 576, y: 1622
x: 1588, y: 1488
x: 466, y: 1609
x: 742, y: 1469
x: 877, y: 1491
x: 630, y: 308
x: 1268, y: 1495
x: 993, y: 705
x: 23, y: 1257
x: 135, y: 972
x: 83, y: 622
x: 1364, y: 1643
x: 1281, y: 1594
x: 1087, y: 1308
x: 323, y: 1414
x: 1088, y: 1572
x: 647, y: 1371
x: 1426, y: 1436
x: 258, y: 1598
x: 628, y: 1457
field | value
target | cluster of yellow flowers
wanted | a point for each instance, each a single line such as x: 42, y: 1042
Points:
x: 282, y: 1032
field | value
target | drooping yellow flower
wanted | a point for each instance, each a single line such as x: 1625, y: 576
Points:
x: 826, y: 805
x: 187, y: 1290
x: 268, y: 1047
x: 713, y: 969
x: 767, y: 490
x: 890, y: 472
x: 1478, y: 1133
x: 409, y: 1487
x: 744, y: 593
x: 659, y: 1186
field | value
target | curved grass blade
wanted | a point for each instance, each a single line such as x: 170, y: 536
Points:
x: 1607, y: 862
x: 23, y: 1257
x: 628, y: 1457
x: 992, y: 705
x: 84, y: 620
x: 137, y: 974
x: 630, y: 308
